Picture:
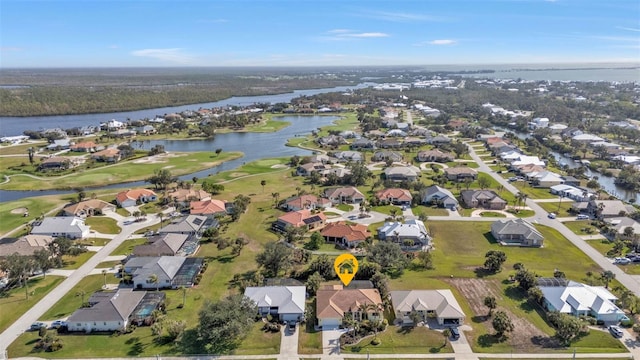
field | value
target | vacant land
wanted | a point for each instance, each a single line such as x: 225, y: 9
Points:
x: 14, y: 304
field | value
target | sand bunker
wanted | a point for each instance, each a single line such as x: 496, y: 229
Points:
x: 20, y: 211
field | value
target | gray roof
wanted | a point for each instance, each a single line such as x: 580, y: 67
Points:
x: 469, y: 195
x: 59, y: 224
x: 191, y: 223
x: 109, y: 306
x: 441, y: 301
x: 435, y: 189
x: 516, y: 227
x: 167, y: 265
x: 288, y: 299
x: 168, y: 243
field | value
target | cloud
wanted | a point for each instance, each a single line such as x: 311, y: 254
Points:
x: 173, y: 55
x: 346, y: 34
x: 627, y: 28
x: 400, y: 16
x: 437, y: 42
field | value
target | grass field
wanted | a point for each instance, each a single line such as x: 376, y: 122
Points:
x: 72, y: 300
x: 395, y: 340
x: 564, y: 206
x: 11, y: 212
x: 180, y: 164
x: 581, y: 227
x: 259, y: 342
x: 309, y: 342
x: 74, y: 262
x: 103, y: 224
x: 15, y: 304
x: 127, y: 246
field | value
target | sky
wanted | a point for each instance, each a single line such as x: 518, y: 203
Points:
x: 159, y: 33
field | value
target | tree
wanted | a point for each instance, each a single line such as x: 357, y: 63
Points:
x: 263, y: 183
x: 389, y: 256
x: 313, y: 283
x: 526, y: 279
x: 293, y: 234
x: 490, y: 302
x: 323, y: 265
x: 218, y: 151
x: 161, y: 178
x: 153, y: 278
x: 175, y: 328
x: 212, y: 188
x: 275, y: 196
x: 567, y: 327
x: 240, y: 204
x: 31, y: 154
x: 42, y: 258
x: 425, y: 259
x: 483, y: 182
x: 607, y: 276
x: 358, y: 173
x: 19, y: 267
x: 315, y: 241
x: 502, y: 324
x: 535, y: 295
x: 446, y: 333
x: 494, y: 260
x: 104, y: 275
x: 274, y: 258
x: 81, y: 195
x: 223, y: 324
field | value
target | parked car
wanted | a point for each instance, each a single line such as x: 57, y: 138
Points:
x: 622, y: 261
x: 582, y: 217
x: 455, y: 333
x: 615, y: 331
x: 58, y: 323
x: 291, y: 327
x: 37, y: 326
x: 551, y: 215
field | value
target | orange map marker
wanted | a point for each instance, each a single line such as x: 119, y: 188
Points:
x: 346, y: 266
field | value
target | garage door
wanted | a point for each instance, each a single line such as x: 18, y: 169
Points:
x: 289, y: 317
x: 329, y: 324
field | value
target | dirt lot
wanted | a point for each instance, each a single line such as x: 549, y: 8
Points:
x: 526, y: 337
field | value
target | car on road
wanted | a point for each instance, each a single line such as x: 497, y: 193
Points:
x: 552, y: 215
x: 37, y: 326
x: 622, y: 261
x: 615, y: 331
x: 582, y: 217
x: 58, y: 324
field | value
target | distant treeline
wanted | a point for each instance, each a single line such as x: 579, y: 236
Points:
x: 76, y: 99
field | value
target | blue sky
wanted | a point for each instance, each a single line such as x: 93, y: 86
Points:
x: 95, y: 33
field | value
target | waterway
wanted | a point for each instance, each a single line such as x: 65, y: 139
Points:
x: 607, y: 183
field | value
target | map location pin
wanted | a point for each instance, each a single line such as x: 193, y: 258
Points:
x: 346, y: 266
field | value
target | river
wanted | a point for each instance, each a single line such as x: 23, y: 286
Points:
x: 607, y: 183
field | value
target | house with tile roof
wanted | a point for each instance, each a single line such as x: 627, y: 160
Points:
x: 435, y: 155
x: 85, y: 146
x: 579, y: 299
x: 460, y: 173
x: 209, y: 207
x: 161, y: 245
x: 71, y: 227
x: 334, y: 302
x: 299, y: 219
x: 609, y: 208
x: 185, y: 196
x: 306, y: 201
x: 131, y: 197
x: 384, y: 155
x: 110, y: 155
x: 25, y: 245
x: 88, y: 208
x: 516, y: 232
x: 347, y: 235
x: 486, y: 199
x: 344, y: 195
x: 286, y: 303
x: 439, y: 304
x: 395, y: 196
x: 402, y: 173
x: 439, y: 196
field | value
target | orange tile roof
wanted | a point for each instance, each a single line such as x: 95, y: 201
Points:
x: 356, y: 232
x: 334, y: 301
x: 395, y: 193
x: 207, y: 207
x: 134, y: 194
x: 296, y: 218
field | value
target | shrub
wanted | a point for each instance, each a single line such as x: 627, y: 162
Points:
x: 375, y: 342
x: 626, y: 323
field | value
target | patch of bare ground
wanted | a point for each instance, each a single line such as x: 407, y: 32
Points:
x: 525, y: 337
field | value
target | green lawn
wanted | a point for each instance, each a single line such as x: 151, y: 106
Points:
x: 522, y: 213
x: 263, y: 166
x: 12, y: 212
x: 344, y: 207
x: 103, y: 224
x: 395, y: 340
x: 534, y: 192
x: 258, y: 342
x: 180, y: 163
x: 581, y: 227
x: 553, y: 207
x: 429, y: 211
x: 15, y: 304
x: 492, y: 214
x: 94, y: 241
x: 127, y: 246
x: 387, y: 209
x: 74, y: 262
x: 309, y: 342
x: 108, y: 264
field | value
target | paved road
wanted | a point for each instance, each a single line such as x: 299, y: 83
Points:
x: 33, y: 314
x: 541, y: 218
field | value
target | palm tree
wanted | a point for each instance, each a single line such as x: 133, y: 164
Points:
x: 104, y: 274
x: 446, y: 334
x: 607, y: 276
x: 263, y: 183
x: 81, y: 293
x: 153, y: 278
x: 275, y: 196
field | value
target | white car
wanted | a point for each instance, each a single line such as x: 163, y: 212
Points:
x: 622, y: 261
x: 582, y: 217
x: 551, y: 215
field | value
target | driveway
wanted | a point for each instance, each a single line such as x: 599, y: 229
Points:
x: 289, y: 344
x: 331, y: 342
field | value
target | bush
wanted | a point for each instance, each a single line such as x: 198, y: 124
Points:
x: 636, y: 328
x: 626, y: 323
x: 375, y: 342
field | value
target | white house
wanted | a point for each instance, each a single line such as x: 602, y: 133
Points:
x: 71, y: 227
x: 108, y: 311
x: 440, y: 304
x: 539, y: 123
x: 287, y: 303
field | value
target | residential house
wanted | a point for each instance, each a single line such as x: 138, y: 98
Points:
x: 146, y: 130
x: 571, y: 192
x: 460, y: 173
x: 349, y: 155
x: 539, y: 122
x: 342, y: 195
x: 107, y: 311
x: 526, y: 160
x: 334, y: 302
x: 362, y: 144
x: 190, y: 224
x: 437, y: 195
x: 209, y: 207
x: 88, y: 208
x: 435, y: 155
x: 171, y: 271
x: 487, y: 199
x: 306, y: 201
x: 299, y: 219
x: 579, y: 299
x: 438, y: 139
x: 309, y: 168
x: 347, y: 235
x: 161, y: 245
x: 546, y: 179
x: 402, y: 173
x: 516, y: 232
x: 395, y: 196
x: 570, y: 180
x: 25, y: 245
x: 387, y: 155
x: 609, y: 208
x: 110, y: 155
x: 620, y: 225
x: 332, y: 141
x: 85, y: 146
x: 132, y: 197
x: 389, y: 144
x: 285, y: 303
x: 122, y: 133
x: 71, y: 227
x: 59, y: 144
x: 412, y: 235
x: 396, y: 133
x: 57, y: 163
x: 185, y: 196
x: 587, y: 138
x: 414, y: 141
x: 438, y: 304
